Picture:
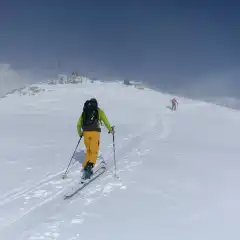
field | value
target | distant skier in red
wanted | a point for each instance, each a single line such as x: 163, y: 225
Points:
x: 174, y: 104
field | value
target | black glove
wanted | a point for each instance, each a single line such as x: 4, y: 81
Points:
x: 112, y: 131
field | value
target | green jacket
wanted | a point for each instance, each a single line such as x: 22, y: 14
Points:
x: 102, y: 117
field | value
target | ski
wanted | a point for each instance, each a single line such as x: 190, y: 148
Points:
x: 95, y: 175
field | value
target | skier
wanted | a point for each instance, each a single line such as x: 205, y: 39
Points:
x: 174, y: 104
x: 88, y: 126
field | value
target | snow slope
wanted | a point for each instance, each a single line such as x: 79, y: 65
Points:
x: 178, y: 171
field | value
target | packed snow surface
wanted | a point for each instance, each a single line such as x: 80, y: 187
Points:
x: 178, y: 172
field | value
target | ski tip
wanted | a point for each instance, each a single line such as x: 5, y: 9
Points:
x: 66, y: 197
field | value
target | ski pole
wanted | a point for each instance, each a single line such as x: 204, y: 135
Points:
x: 64, y: 175
x: 114, y: 154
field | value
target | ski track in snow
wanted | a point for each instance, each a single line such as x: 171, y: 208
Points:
x: 20, y: 192
x: 140, y: 146
x: 52, y: 187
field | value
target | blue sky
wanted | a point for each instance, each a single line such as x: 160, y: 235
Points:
x: 171, y: 44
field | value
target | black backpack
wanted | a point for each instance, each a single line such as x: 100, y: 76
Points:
x: 90, y: 115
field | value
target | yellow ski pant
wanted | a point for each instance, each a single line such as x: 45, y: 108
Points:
x: 91, y: 141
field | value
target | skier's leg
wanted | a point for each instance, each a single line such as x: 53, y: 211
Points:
x: 91, y: 141
x: 94, y: 147
x: 87, y: 146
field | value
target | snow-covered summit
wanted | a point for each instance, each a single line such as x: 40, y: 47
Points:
x: 178, y: 171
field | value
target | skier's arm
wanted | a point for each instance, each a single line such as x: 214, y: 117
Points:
x: 79, y: 125
x: 103, y: 118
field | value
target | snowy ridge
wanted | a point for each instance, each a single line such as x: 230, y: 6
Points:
x: 226, y: 102
x: 22, y: 88
x: 178, y: 171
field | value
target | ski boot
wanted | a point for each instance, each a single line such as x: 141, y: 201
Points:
x: 87, y: 171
